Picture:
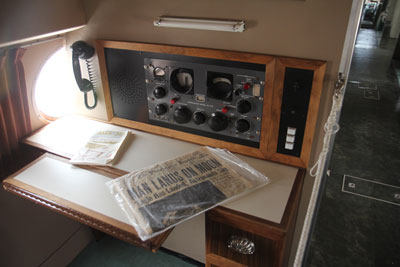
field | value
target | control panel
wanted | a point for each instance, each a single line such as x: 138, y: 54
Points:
x: 257, y: 105
x: 215, y: 101
x: 295, y: 100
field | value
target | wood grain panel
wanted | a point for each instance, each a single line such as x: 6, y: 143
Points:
x: 197, y: 139
x: 319, y: 70
x: 188, y: 51
x: 272, y: 239
x: 218, y: 261
x: 104, y: 79
x: 264, y: 254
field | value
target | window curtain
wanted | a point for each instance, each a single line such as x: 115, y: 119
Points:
x: 14, y: 111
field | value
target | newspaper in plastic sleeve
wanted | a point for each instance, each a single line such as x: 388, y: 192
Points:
x: 159, y: 197
x: 101, y: 148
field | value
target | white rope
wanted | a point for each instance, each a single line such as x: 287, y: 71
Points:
x: 331, y: 127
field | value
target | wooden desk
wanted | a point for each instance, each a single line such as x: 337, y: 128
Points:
x: 269, y: 204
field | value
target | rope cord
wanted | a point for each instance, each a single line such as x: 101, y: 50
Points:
x: 331, y: 127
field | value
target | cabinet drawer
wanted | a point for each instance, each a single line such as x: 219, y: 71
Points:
x: 265, y: 251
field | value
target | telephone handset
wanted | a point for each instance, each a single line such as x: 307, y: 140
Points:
x: 82, y: 50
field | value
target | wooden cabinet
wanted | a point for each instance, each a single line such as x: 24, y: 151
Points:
x: 272, y: 241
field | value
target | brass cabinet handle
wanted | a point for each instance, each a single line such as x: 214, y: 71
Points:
x: 241, y: 245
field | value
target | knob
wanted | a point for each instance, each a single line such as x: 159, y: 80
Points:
x: 292, y: 110
x: 182, y: 114
x: 243, y: 106
x: 199, y: 117
x: 238, y: 92
x: 242, y: 125
x: 218, y: 121
x: 161, y: 109
x: 159, y: 92
x: 159, y: 72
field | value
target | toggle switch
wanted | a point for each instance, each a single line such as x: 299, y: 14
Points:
x: 173, y: 100
x: 246, y: 86
x: 289, y: 146
x: 291, y: 131
x: 290, y: 138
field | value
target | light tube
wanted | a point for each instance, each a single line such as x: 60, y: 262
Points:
x: 201, y: 24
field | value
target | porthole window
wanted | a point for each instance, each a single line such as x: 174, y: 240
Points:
x: 55, y: 85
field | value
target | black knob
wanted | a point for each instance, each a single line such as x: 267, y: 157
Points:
x: 182, y: 114
x: 199, y: 117
x: 242, y: 125
x: 159, y: 92
x: 238, y: 92
x: 243, y: 106
x: 292, y: 110
x: 218, y: 121
x: 161, y: 109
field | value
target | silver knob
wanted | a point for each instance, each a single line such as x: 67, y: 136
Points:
x: 241, y: 245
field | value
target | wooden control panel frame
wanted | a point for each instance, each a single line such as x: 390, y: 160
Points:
x: 274, y: 79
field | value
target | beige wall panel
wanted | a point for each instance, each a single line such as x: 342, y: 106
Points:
x: 21, y: 19
x: 312, y: 29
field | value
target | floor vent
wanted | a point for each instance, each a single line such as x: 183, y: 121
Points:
x: 371, y: 189
x: 371, y: 94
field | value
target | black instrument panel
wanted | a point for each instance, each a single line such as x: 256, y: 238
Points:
x: 219, y: 99
x: 215, y: 98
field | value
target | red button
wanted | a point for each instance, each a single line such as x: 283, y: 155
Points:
x: 246, y: 86
x: 173, y: 100
x: 224, y: 110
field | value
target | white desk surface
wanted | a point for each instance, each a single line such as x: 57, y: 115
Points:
x: 67, y: 135
x: 74, y: 184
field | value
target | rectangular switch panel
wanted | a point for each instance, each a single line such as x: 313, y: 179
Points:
x: 295, y: 100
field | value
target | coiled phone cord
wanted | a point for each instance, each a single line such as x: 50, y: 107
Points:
x: 92, y: 80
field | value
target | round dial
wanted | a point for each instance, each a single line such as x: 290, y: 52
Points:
x: 218, y: 121
x: 199, y: 117
x: 182, y: 80
x: 159, y: 92
x: 182, y: 114
x: 243, y: 106
x: 242, y: 125
x: 220, y: 88
x: 161, y: 109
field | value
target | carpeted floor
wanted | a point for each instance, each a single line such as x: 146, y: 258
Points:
x: 109, y: 252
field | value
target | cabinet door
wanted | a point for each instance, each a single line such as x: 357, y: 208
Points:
x: 219, y: 235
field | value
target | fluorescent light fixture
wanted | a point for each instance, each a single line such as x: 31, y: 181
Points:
x: 201, y: 24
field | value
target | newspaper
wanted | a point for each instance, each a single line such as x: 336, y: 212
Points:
x: 157, y: 198
x: 101, y: 149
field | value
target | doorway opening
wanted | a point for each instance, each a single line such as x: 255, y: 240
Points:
x: 357, y: 219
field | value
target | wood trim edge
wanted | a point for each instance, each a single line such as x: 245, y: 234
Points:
x: 60, y: 206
